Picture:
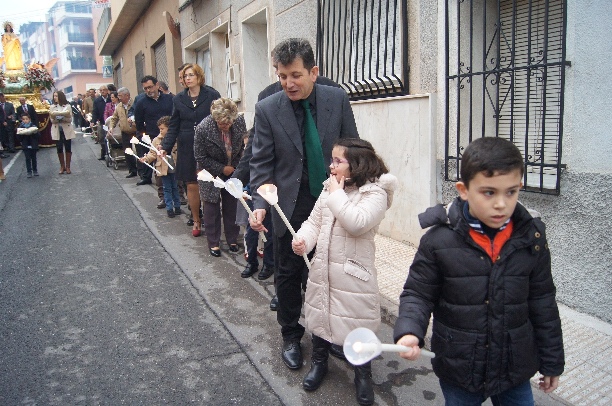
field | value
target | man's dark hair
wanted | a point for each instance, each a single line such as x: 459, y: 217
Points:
x: 180, y: 68
x: 288, y: 50
x: 111, y: 87
x: 491, y: 156
x: 147, y: 78
x: 163, y: 86
x: 364, y: 164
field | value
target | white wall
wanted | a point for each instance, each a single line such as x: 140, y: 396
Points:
x: 401, y: 131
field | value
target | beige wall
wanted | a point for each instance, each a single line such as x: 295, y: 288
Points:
x: 148, y: 31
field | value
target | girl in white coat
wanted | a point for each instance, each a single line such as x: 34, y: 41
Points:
x: 342, y: 290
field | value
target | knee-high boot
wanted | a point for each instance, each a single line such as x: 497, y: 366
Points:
x: 60, y: 155
x: 68, y: 158
x: 318, y: 366
x: 363, y: 384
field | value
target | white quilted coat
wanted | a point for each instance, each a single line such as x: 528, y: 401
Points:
x: 342, y: 291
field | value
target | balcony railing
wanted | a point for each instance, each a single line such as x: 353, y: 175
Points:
x: 78, y: 37
x: 105, y: 21
x: 82, y: 63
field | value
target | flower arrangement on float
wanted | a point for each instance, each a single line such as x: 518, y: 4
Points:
x: 39, y: 78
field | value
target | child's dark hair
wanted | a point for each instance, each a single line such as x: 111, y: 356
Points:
x: 24, y: 114
x: 491, y: 156
x: 364, y: 164
x: 165, y: 120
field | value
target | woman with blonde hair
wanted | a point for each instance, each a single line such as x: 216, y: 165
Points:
x: 190, y: 107
x: 217, y: 148
x: 61, y: 129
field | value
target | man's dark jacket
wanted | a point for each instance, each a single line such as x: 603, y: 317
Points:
x: 495, y: 324
x: 99, y: 105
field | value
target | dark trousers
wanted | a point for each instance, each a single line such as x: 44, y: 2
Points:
x: 160, y: 187
x: 30, y: 158
x: 63, y: 143
x: 143, y: 170
x: 212, y: 220
x: 8, y: 135
x: 251, y: 240
x: 102, y: 138
x: 292, y: 271
x: 130, y: 160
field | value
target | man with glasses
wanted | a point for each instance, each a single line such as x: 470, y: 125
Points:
x: 299, y: 125
x: 97, y: 117
x: 147, y: 111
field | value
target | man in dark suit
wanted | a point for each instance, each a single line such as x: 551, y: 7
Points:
x: 281, y: 141
x: 27, y: 108
x: 8, y: 125
x: 97, y: 117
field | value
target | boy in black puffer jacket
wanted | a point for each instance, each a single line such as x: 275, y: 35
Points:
x: 484, y: 271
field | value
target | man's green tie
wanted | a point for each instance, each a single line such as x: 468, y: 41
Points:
x: 314, y: 153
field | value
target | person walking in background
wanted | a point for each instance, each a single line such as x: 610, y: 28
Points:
x: 97, y: 117
x: 171, y: 193
x: 27, y: 108
x: 28, y: 137
x: 217, y: 147
x: 484, y: 270
x: 191, y: 106
x: 342, y: 292
x: 62, y: 131
x: 8, y: 125
x: 163, y: 87
x: 88, y: 108
x: 147, y: 111
x: 294, y: 134
x: 122, y: 118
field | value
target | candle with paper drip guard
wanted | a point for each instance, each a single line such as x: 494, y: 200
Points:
x: 361, y: 345
x: 269, y: 192
x: 147, y: 140
x: 128, y: 151
x: 234, y: 188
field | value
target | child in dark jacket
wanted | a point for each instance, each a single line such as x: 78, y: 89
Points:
x: 28, y: 136
x: 484, y: 270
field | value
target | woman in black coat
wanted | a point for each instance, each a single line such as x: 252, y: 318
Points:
x: 190, y: 107
x: 218, y: 148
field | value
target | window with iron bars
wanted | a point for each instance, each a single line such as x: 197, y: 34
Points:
x: 505, y: 71
x: 361, y: 45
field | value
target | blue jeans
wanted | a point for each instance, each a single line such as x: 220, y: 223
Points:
x: 171, y: 194
x: 520, y: 395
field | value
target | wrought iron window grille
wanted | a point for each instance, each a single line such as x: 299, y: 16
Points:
x: 362, y: 45
x: 505, y: 74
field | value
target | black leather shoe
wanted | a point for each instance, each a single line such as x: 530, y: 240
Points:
x: 337, y: 351
x: 144, y: 182
x: 178, y: 211
x: 102, y: 158
x: 274, y: 303
x: 215, y: 253
x: 190, y: 222
x: 233, y: 248
x: 161, y: 204
x: 292, y: 354
x: 265, y: 273
x: 314, y: 377
x: 4, y: 156
x: 249, y: 270
x: 131, y: 175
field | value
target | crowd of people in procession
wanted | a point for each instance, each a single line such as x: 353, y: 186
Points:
x: 483, y: 269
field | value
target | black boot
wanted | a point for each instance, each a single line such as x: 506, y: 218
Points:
x: 318, y: 366
x: 363, y: 384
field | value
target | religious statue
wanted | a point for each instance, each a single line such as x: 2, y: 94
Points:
x: 11, y: 45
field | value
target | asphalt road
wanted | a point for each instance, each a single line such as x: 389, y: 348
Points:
x: 104, y: 300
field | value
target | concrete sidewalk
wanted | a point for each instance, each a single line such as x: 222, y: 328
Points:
x: 587, y: 379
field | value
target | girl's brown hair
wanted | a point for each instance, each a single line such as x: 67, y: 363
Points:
x: 364, y: 164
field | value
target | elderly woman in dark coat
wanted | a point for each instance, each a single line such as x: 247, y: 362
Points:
x: 190, y: 107
x: 218, y: 147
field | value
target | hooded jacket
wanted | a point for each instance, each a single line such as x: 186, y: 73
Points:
x: 342, y: 290
x: 495, y: 323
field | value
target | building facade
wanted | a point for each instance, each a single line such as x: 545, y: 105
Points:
x: 424, y: 79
